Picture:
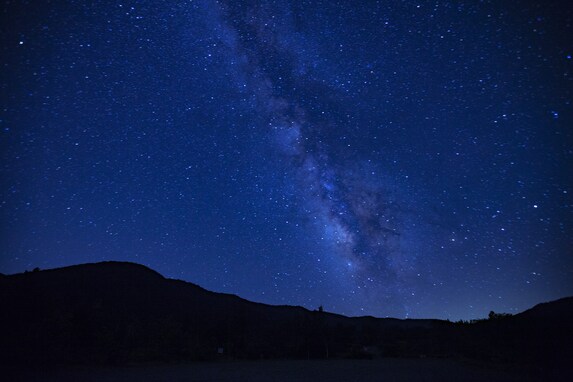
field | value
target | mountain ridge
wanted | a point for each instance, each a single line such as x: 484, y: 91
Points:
x: 136, y: 266
x: 118, y: 312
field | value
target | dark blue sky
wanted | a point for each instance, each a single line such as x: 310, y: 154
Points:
x: 392, y: 158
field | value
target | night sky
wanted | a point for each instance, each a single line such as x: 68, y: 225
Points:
x: 387, y: 158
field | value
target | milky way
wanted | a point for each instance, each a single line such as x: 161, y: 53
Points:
x: 352, y: 213
x: 389, y: 158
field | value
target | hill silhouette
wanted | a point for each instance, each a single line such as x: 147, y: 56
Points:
x: 117, y: 313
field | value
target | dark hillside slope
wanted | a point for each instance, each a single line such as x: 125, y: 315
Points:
x: 100, y: 312
x: 543, y: 333
x: 558, y: 310
x: 123, y: 312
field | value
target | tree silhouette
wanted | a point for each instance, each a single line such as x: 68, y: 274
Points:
x: 496, y: 316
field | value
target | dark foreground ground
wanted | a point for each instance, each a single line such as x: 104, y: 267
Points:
x: 126, y: 314
x: 279, y: 371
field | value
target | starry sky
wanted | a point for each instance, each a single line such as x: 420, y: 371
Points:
x: 387, y: 158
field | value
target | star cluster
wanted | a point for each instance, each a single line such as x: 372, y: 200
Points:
x: 397, y: 158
